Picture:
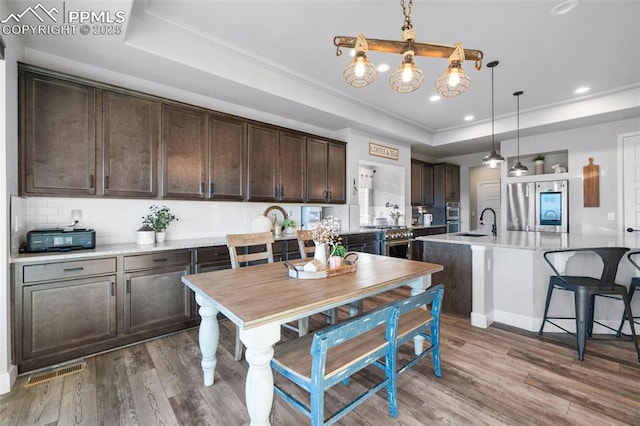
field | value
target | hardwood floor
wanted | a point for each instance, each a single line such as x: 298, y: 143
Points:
x: 495, y: 376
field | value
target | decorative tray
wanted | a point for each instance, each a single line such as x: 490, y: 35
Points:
x: 296, y: 269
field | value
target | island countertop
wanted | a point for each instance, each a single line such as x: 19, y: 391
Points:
x: 537, y: 240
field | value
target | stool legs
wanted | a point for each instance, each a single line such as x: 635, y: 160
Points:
x: 546, y: 308
x: 632, y: 289
x: 583, y: 303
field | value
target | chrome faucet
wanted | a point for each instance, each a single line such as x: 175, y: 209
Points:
x: 494, y: 229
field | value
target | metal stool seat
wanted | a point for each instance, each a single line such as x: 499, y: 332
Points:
x: 585, y: 290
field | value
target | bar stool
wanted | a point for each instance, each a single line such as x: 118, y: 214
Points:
x: 585, y: 290
x: 635, y: 282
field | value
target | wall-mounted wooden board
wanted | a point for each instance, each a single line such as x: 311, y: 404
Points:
x: 591, y: 184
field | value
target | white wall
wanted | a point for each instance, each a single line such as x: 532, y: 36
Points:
x: 358, y: 149
x: 599, y: 142
x: 8, y: 186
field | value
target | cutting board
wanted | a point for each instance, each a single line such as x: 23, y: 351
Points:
x: 591, y: 184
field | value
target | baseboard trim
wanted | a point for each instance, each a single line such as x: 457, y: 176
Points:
x: 7, y: 379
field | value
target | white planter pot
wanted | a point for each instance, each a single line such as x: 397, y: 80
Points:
x: 160, y: 237
x: 145, y: 237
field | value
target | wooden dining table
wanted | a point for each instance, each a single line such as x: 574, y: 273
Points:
x: 259, y: 299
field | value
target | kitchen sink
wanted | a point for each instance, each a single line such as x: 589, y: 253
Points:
x: 471, y: 234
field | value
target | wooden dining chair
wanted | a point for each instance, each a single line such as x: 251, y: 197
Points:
x: 256, y: 247
x: 307, y: 249
x: 319, y: 361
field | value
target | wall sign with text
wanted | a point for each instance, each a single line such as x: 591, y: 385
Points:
x: 383, y: 151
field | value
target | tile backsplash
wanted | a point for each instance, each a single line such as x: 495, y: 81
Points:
x: 116, y: 220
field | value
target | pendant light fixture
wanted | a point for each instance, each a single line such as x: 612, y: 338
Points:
x: 408, y: 76
x: 518, y: 169
x: 493, y: 159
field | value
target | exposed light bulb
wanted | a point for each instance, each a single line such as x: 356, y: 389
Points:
x: 454, y: 78
x: 407, y: 73
x: 359, y: 68
x: 493, y: 164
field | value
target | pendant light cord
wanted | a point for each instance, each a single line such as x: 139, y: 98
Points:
x: 518, y: 129
x: 492, y: 113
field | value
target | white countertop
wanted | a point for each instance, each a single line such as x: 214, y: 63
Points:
x: 133, y: 248
x: 539, y: 240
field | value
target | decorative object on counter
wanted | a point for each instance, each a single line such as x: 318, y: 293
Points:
x: 145, y: 235
x: 559, y: 168
x: 261, y: 223
x: 518, y: 169
x: 493, y: 159
x: 538, y: 161
x: 591, y: 184
x: 289, y: 225
x: 380, y: 221
x: 158, y: 219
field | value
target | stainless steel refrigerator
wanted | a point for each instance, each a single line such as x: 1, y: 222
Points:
x: 538, y: 206
x: 521, y: 206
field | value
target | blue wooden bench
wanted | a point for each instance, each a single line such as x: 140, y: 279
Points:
x: 317, y: 362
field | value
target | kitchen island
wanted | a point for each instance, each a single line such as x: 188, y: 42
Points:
x: 509, y: 276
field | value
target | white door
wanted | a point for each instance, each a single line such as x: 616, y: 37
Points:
x: 631, y: 179
x: 488, y: 196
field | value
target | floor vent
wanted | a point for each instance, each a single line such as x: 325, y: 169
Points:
x: 63, y: 370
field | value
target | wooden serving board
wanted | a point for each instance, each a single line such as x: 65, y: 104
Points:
x: 296, y: 270
x: 591, y: 184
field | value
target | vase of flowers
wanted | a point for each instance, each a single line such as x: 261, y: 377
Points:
x: 324, y: 233
x: 158, y: 219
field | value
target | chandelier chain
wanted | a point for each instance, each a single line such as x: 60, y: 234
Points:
x: 406, y: 11
x: 492, y: 112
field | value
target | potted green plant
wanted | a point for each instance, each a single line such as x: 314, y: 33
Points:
x: 158, y: 219
x: 288, y: 225
x: 538, y: 161
x: 338, y: 252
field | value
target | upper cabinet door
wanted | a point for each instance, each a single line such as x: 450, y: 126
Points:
x: 452, y: 182
x: 58, y: 137
x: 184, y: 152
x: 416, y: 183
x: 228, y: 141
x: 130, y: 137
x: 337, y: 168
x: 292, y: 167
x: 317, y: 153
x: 263, y: 163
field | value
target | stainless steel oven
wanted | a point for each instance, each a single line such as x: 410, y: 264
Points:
x: 397, y: 242
x: 452, y: 211
x: 453, y: 226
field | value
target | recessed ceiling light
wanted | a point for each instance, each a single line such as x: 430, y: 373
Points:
x: 469, y: 117
x: 563, y: 7
x: 383, y: 67
x: 581, y: 90
x: 435, y: 98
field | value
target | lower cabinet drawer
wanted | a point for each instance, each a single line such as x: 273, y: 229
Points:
x: 157, y: 260
x: 57, y: 316
x: 65, y: 270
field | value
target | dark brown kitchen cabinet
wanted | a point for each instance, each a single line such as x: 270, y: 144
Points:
x: 326, y: 172
x: 262, y: 163
x: 63, y: 310
x: 227, y: 164
x: 276, y: 165
x: 184, y: 152
x: 130, y: 132
x: 57, y: 127
x: 421, y: 183
x: 367, y: 243
x: 292, y: 167
x: 155, y: 299
x: 446, y: 183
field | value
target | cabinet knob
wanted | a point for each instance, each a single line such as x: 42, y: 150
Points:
x: 91, y: 183
x: 201, y: 187
x: 106, y: 182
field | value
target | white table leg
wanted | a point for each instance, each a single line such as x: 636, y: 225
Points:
x: 419, y: 286
x: 208, y: 334
x: 259, y: 384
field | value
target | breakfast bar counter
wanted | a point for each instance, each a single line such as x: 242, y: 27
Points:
x: 509, y: 277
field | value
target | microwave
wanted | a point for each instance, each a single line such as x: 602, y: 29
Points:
x: 452, y: 211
